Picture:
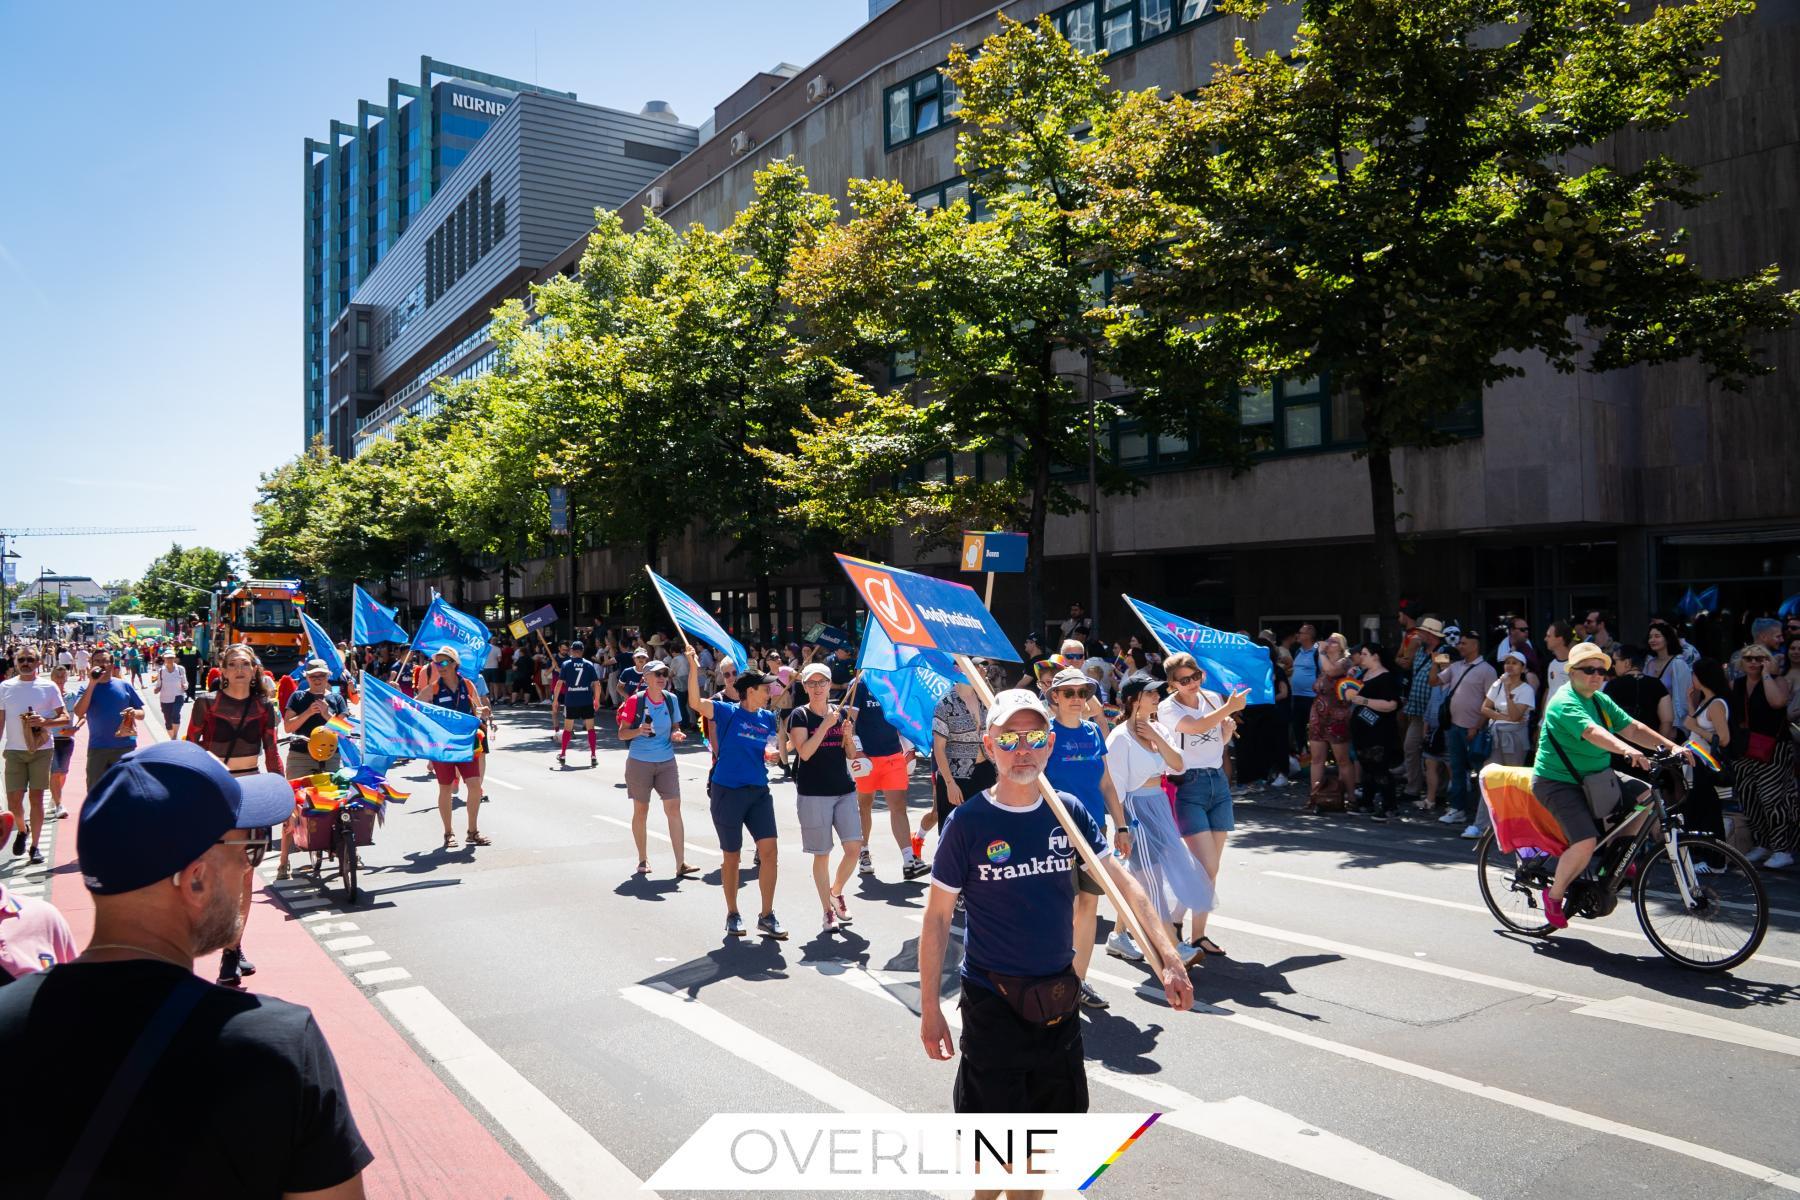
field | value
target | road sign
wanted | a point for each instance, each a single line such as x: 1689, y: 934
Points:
x: 935, y: 614
x: 559, y: 511
x: 998, y: 553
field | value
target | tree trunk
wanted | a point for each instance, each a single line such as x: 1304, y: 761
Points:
x: 1387, y: 534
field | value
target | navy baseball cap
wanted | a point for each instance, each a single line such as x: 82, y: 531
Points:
x: 158, y: 809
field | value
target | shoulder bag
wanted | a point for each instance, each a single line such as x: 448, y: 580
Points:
x: 1602, y: 787
x: 1441, y: 733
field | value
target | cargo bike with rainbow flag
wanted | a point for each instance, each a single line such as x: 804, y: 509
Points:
x: 1699, y: 901
x: 337, y: 813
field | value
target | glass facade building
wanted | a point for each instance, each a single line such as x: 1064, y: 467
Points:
x: 369, y: 179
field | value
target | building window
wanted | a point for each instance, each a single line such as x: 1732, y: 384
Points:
x: 921, y: 104
x: 500, y: 218
x: 362, y: 332
x: 945, y: 194
x: 1117, y: 26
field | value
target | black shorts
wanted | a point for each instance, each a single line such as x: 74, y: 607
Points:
x: 979, y: 780
x: 578, y: 712
x: 735, y: 809
x: 1008, y: 1066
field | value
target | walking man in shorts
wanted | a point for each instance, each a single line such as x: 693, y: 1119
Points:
x: 1004, y: 851
x: 740, y: 790
x: 31, y: 707
x: 650, y: 725
x: 575, y: 683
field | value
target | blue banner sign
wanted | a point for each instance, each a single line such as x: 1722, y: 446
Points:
x: 931, y: 614
x: 1232, y: 662
x: 997, y: 553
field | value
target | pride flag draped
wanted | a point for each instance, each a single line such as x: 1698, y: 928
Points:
x: 446, y: 626
x: 697, y: 622
x: 1231, y: 661
x: 1521, y: 822
x: 397, y: 726
x: 322, y: 647
x: 372, y: 622
x: 908, y: 681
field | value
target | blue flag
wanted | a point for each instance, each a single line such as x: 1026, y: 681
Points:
x: 908, y: 681
x: 372, y: 622
x: 397, y: 726
x: 1232, y: 662
x: 350, y: 749
x: 322, y: 647
x: 445, y: 626
x: 1789, y: 607
x: 695, y: 621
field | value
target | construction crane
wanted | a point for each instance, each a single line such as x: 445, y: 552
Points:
x: 92, y: 530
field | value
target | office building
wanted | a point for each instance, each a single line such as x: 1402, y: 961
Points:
x: 518, y: 198
x: 1562, y: 492
x: 368, y: 180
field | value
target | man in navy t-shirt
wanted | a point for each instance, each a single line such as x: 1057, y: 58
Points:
x: 887, y: 776
x: 740, y: 789
x: 575, y: 683
x: 1007, y: 855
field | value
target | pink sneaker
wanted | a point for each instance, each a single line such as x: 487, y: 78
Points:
x: 1553, y: 911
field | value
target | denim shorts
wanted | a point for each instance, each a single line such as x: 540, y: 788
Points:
x: 1203, y: 802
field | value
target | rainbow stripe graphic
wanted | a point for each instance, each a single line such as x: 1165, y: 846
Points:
x: 1703, y: 754
x: 1120, y: 1152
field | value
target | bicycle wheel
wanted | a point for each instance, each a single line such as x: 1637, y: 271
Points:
x: 346, y: 852
x: 1727, y: 919
x: 1511, y: 894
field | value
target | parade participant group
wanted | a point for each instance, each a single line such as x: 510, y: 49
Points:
x: 1145, y: 749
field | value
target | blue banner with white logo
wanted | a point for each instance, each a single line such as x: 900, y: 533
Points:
x: 396, y: 725
x: 908, y: 682
x: 445, y: 626
x: 322, y: 647
x: 372, y: 622
x: 696, y: 622
x: 928, y: 613
x: 1232, y: 662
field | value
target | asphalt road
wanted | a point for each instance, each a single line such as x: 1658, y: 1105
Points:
x: 1371, y: 1031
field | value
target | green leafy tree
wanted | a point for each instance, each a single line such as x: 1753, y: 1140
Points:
x: 290, y: 542
x: 196, y: 566
x: 998, y: 316
x: 125, y: 601
x: 1417, y: 197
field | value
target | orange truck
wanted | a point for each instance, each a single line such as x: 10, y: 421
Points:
x: 265, y: 613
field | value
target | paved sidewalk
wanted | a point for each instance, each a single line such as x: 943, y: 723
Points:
x: 426, y: 1143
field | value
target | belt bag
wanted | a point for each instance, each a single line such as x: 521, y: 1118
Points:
x: 1040, y: 1000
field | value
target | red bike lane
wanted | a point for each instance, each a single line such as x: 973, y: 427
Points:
x: 426, y: 1143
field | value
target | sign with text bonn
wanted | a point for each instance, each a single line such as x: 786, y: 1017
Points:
x: 935, y: 614
x: 999, y: 553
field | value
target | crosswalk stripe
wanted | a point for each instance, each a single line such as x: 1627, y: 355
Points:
x: 1650, y: 1014
x: 364, y: 956
x: 382, y: 975
x: 353, y: 942
x: 1631, y: 935
x: 561, y: 1148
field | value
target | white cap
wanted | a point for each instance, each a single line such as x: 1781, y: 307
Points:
x: 815, y: 671
x: 1013, y: 701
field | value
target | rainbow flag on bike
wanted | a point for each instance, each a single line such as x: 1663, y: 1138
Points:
x: 1521, y: 822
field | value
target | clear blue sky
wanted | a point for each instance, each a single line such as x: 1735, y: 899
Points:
x: 150, y: 223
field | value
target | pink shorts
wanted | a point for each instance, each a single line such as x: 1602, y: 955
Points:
x: 888, y: 775
x: 447, y: 772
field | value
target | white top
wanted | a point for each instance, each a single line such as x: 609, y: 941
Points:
x: 171, y: 683
x: 1559, y: 677
x: 493, y: 657
x: 1199, y: 751
x: 1522, y: 694
x: 64, y: 658
x: 81, y: 659
x: 16, y: 695
x: 1703, y: 718
x: 1128, y: 763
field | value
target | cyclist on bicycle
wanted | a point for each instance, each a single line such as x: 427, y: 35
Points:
x: 1582, y: 727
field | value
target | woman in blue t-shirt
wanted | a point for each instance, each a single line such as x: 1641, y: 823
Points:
x: 649, y: 725
x: 740, y: 789
x: 1077, y: 765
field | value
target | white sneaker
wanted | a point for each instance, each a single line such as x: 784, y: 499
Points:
x: 1757, y: 854
x: 1120, y: 945
x: 1188, y: 953
x: 1779, y: 861
x: 1279, y: 781
x: 1471, y: 831
x: 1451, y: 818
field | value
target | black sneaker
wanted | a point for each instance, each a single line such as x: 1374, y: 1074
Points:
x: 37, y: 857
x: 245, y: 966
x: 1379, y: 814
x: 19, y: 841
x: 915, y: 868
x: 734, y: 925
x: 769, y: 927
x: 230, y: 968
x: 1092, y: 999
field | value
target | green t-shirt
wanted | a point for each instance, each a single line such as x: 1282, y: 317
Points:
x: 1566, y: 718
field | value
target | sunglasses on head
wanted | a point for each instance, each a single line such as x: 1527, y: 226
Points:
x: 1033, y: 739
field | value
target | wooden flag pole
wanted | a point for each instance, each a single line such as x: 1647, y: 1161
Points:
x: 1129, y: 915
x: 987, y: 601
x: 685, y: 644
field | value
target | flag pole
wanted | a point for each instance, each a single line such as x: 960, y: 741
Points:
x: 1089, y: 859
x: 1147, y: 625
x: 685, y: 644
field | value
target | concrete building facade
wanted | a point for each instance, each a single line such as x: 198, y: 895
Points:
x: 1564, y: 492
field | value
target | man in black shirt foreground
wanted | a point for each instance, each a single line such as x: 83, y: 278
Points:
x: 166, y: 1085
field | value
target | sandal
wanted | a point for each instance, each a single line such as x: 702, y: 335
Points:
x: 476, y: 839
x: 450, y: 842
x: 684, y: 871
x: 1210, y: 946
x: 643, y: 867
